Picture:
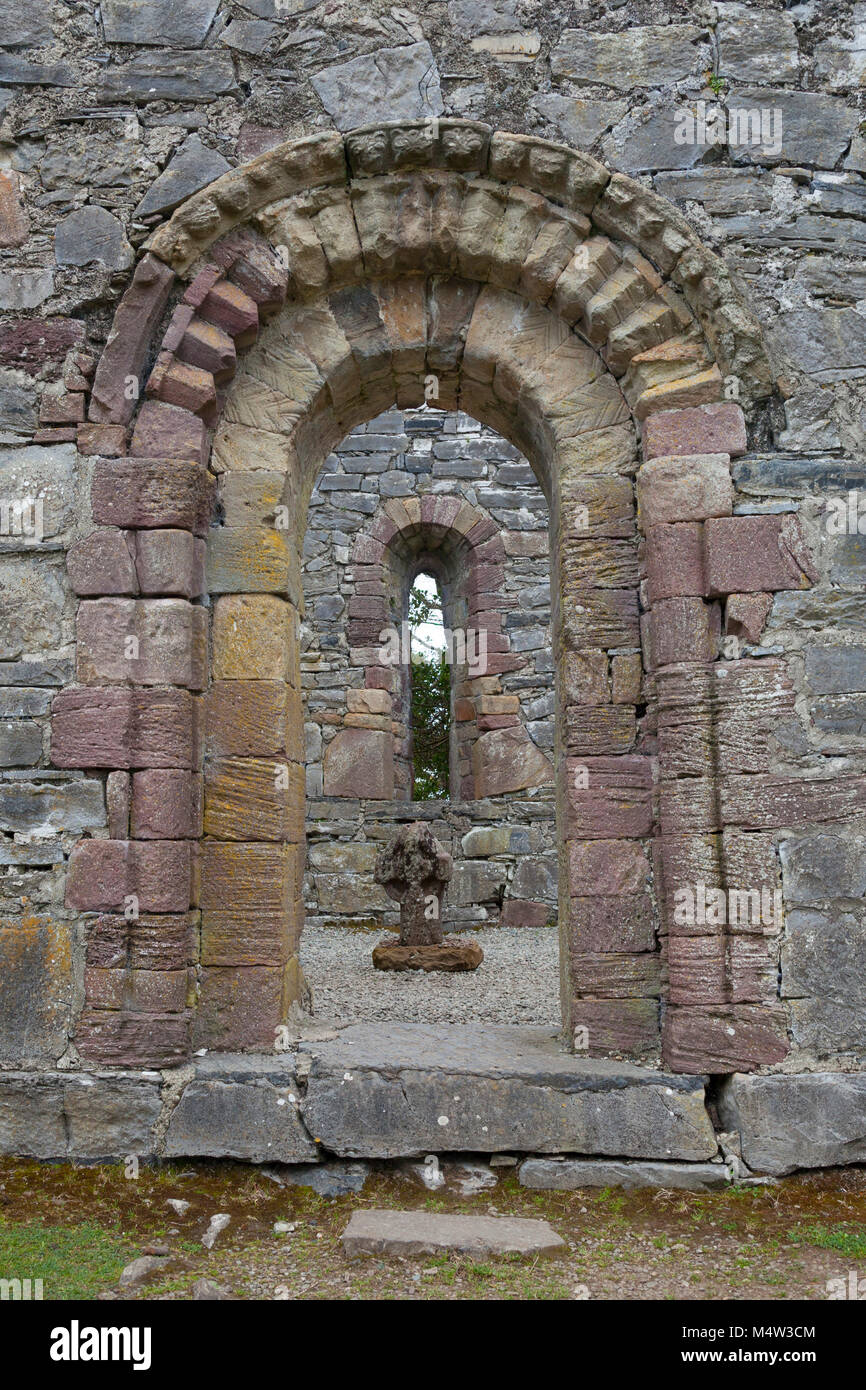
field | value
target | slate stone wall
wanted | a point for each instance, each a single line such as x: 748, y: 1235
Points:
x: 110, y: 118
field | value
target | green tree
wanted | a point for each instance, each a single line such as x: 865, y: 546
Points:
x: 431, y: 701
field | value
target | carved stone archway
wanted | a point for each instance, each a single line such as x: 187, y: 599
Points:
x: 578, y: 315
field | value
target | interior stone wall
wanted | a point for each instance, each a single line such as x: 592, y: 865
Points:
x: 111, y: 119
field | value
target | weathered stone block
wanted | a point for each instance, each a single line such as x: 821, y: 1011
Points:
x: 117, y: 728
x: 688, y: 488
x: 247, y: 1110
x: 517, y: 1092
x: 253, y: 638
x: 166, y: 805
x: 609, y: 798
x: 103, y: 563
x: 248, y: 798
x: 747, y: 554
x: 675, y: 561
x: 791, y: 1122
x: 145, y: 492
x: 251, y: 718
x: 572, y: 1174
x: 506, y: 760
x: 724, y: 1038
x: 704, y: 429
x: 169, y: 562
x: 360, y: 762
x: 684, y: 629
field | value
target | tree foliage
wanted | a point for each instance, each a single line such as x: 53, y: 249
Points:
x: 431, y: 703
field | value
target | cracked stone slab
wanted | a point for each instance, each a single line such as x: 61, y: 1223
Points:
x: 788, y: 1122
x: 378, y: 1232
x: 388, y: 1091
x: 568, y: 1174
x: 78, y: 1115
x: 239, y: 1107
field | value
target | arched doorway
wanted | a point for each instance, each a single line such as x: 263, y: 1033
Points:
x: 565, y: 308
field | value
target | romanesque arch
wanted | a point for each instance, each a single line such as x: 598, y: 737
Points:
x: 578, y: 315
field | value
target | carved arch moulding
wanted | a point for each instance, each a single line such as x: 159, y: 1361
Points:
x: 576, y: 313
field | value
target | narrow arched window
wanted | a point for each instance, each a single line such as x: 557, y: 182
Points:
x: 430, y: 692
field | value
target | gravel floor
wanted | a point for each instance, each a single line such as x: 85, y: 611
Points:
x: 517, y: 982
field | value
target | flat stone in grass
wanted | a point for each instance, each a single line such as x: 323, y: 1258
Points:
x: 569, y: 1174
x: 378, y: 1232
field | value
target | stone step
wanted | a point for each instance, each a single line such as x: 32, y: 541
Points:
x: 396, y: 1089
x: 569, y: 1174
x: 377, y: 1232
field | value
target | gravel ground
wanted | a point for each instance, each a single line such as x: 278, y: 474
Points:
x: 517, y: 982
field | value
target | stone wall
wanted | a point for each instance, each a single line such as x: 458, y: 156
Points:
x: 110, y: 119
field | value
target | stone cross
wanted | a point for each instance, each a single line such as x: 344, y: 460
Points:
x: 414, y: 870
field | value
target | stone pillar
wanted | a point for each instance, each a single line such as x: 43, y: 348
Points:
x: 608, y: 955
x: 141, y: 659
x: 715, y: 885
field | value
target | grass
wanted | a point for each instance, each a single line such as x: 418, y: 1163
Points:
x: 72, y: 1262
x: 847, y: 1240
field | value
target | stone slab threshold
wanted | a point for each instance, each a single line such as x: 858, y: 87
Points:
x: 389, y: 1090
x: 387, y: 1232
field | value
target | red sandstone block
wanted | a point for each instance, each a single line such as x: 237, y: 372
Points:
x: 367, y: 550
x: 169, y: 562
x: 181, y: 384
x: 98, y: 875
x: 239, y: 1008
x: 675, y: 561
x: 199, y: 288
x: 684, y: 629
x: 119, y: 1039
x: 609, y: 798
x: 231, y: 309
x: 615, y: 974
x: 178, y: 324
x: 144, y: 641
x: 606, y: 867
x: 723, y: 1038
x: 123, y: 727
x: 144, y: 493
x: 124, y: 354
x: 621, y: 923
x: 65, y: 409
x: 165, y: 431
x: 748, y: 554
x: 482, y: 531
x: 103, y: 564
x: 702, y: 429
x: 142, y: 943
x: 767, y: 803
x: 166, y: 804
x: 689, y: 488
x: 104, y: 873
x: 746, y: 614
x: 719, y: 969
x: 108, y: 441
x: 136, y: 991
x: 616, y: 1027
x: 206, y: 346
